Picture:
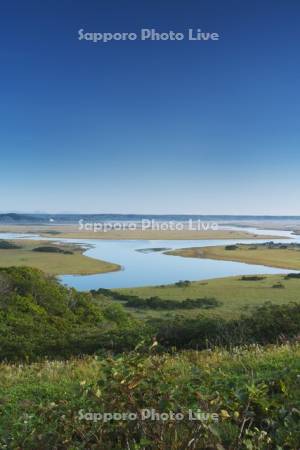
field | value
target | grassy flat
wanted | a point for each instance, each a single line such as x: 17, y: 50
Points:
x: 236, y: 295
x: 285, y: 258
x: 73, y: 232
x: 54, y: 263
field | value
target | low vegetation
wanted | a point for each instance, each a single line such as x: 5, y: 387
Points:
x: 235, y: 295
x: 231, y: 247
x: 8, y: 245
x: 291, y: 276
x: 252, y: 393
x: 285, y: 256
x: 51, y: 258
x: 152, y: 250
x: 183, y: 283
x: 52, y: 249
x: 230, y: 384
x: 252, y: 278
x: 133, y: 301
x: 158, y: 303
x: 39, y: 317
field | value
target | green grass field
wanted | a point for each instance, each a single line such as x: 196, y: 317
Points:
x: 54, y: 263
x: 288, y: 258
x: 237, y: 296
x: 254, y: 393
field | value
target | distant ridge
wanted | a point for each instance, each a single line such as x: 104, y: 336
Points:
x: 46, y: 219
x: 16, y: 218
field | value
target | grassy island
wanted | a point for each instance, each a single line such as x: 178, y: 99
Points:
x: 52, y: 258
x: 285, y: 256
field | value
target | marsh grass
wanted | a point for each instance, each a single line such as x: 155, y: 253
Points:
x: 68, y: 259
x: 236, y: 297
x: 267, y: 254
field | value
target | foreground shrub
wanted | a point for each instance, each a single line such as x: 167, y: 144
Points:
x: 253, y: 392
x: 39, y: 317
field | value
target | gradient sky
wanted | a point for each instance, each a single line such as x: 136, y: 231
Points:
x: 150, y: 127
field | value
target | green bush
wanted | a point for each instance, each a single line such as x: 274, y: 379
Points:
x: 52, y: 249
x: 39, y: 317
x: 291, y: 276
x: 133, y: 301
x: 251, y: 278
x: 231, y: 247
x: 7, y: 245
x: 268, y: 324
x: 183, y: 283
x: 158, y: 303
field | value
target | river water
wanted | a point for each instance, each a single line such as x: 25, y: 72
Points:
x: 156, y: 268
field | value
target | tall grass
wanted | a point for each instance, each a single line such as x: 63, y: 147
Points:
x: 253, y: 390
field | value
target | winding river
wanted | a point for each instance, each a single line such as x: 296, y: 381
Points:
x: 147, y: 267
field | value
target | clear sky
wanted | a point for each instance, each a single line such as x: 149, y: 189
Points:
x: 150, y: 126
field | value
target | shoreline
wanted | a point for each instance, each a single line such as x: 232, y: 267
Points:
x: 72, y: 232
x: 64, y: 259
x: 268, y: 258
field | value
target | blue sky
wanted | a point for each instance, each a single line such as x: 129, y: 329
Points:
x: 150, y: 127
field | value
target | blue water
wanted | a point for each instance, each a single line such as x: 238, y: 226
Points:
x: 155, y: 268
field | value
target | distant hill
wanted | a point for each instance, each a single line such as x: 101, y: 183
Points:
x: 72, y: 218
x: 15, y: 218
